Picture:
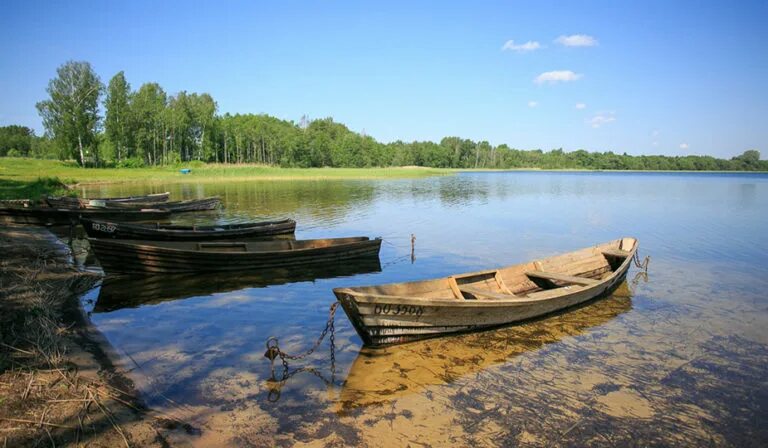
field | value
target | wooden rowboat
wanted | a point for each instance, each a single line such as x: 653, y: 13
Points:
x: 138, y: 256
x: 404, y: 312
x: 68, y: 202
x: 67, y: 216
x: 106, y: 229
x: 189, y: 205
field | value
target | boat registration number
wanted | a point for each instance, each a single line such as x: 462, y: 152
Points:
x: 399, y: 310
x: 109, y: 228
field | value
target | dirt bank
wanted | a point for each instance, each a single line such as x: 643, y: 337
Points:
x: 58, y: 385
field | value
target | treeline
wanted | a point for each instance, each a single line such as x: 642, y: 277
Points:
x: 150, y: 127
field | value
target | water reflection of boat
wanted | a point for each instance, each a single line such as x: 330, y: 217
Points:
x: 132, y: 292
x: 381, y: 375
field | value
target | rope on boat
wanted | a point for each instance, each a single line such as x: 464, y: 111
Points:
x: 641, y: 265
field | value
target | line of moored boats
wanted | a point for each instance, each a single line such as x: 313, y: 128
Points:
x: 125, y: 247
x: 381, y: 314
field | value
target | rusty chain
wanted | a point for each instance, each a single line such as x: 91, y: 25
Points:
x: 273, y: 352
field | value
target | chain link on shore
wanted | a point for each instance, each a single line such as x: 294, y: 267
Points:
x: 273, y: 352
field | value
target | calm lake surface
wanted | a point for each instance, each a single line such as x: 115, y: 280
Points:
x: 679, y: 357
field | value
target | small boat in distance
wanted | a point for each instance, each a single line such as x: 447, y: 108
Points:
x: 145, y: 257
x: 157, y: 231
x: 403, y: 312
x: 69, y: 202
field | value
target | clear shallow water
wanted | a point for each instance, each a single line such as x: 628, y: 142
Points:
x: 679, y: 358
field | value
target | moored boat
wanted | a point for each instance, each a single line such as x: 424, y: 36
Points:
x: 403, y: 312
x: 69, y: 202
x: 139, y: 256
x: 157, y: 231
x: 66, y: 216
x: 189, y: 205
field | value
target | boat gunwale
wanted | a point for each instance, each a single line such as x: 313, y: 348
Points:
x: 173, y: 230
x: 159, y: 249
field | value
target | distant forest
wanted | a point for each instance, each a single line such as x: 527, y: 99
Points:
x: 147, y: 127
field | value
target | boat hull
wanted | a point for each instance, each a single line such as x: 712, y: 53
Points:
x: 382, y: 319
x: 190, y: 205
x: 69, y: 202
x: 146, y: 257
x: 57, y: 216
x: 116, y: 230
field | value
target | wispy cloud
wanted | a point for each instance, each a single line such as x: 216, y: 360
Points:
x: 601, y: 118
x: 510, y: 45
x: 683, y: 145
x: 557, y: 76
x: 655, y: 133
x: 581, y: 106
x: 577, y: 40
x: 533, y: 103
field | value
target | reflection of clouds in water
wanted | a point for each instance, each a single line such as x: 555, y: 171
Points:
x: 225, y: 300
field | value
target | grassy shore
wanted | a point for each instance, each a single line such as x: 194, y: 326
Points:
x: 32, y: 178
x: 30, y: 169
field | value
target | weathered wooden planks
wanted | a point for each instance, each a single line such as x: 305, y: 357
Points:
x: 403, y: 312
x: 157, y: 231
x: 137, y: 256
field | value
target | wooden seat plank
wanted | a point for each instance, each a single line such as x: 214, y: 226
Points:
x: 562, y: 278
x: 616, y: 253
x: 486, y: 294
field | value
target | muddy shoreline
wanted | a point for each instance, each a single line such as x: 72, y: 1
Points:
x: 60, y: 381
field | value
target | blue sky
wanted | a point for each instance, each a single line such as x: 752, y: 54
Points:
x: 659, y: 77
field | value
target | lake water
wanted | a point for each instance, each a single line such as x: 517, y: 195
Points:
x: 679, y: 357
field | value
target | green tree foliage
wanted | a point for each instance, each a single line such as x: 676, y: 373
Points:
x: 16, y: 140
x: 150, y: 123
x: 71, y: 114
x: 117, y: 120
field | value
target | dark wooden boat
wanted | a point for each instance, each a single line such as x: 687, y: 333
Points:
x: 59, y: 216
x: 107, y: 229
x: 68, y: 202
x: 403, y: 312
x: 118, y: 292
x: 139, y: 256
x: 189, y: 205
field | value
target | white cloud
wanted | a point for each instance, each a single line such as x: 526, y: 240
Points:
x: 601, y: 118
x: 577, y: 40
x: 557, y: 76
x: 533, y: 103
x: 510, y: 45
x: 683, y: 145
x: 655, y: 133
x: 581, y: 106
x: 655, y: 143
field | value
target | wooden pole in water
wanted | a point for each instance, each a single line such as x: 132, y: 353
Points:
x: 413, y: 248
